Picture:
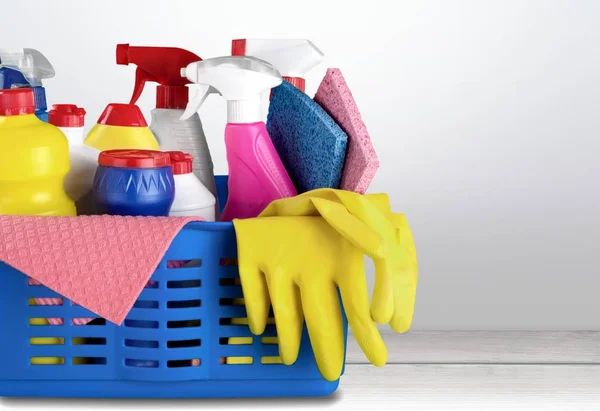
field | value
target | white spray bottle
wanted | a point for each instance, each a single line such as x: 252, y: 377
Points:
x: 293, y: 58
x: 162, y: 65
x: 256, y: 174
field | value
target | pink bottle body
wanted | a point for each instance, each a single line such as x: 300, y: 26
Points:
x: 256, y: 174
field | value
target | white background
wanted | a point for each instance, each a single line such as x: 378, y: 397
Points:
x: 484, y: 115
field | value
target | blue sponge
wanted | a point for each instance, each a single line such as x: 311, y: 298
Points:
x: 310, y: 143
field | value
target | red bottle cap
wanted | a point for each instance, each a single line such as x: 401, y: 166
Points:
x: 124, y: 115
x: 298, y: 82
x: 16, y: 102
x: 172, y: 97
x: 181, y: 162
x: 134, y: 159
x: 66, y: 115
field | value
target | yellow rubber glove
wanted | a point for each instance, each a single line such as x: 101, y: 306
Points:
x: 396, y: 273
x: 296, y: 264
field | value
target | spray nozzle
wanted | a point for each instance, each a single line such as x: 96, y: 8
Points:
x: 292, y: 57
x: 32, y: 63
x: 159, y: 65
x: 239, y: 79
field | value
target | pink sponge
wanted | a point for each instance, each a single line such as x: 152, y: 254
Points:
x: 101, y: 263
x: 361, y: 160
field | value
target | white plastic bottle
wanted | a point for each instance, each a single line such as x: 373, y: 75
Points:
x: 162, y: 65
x: 192, y: 198
x: 173, y: 134
x: 70, y: 120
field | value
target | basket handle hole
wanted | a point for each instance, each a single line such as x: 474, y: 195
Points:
x: 88, y: 341
x: 195, y: 362
x: 36, y: 302
x: 141, y: 343
x: 176, y: 264
x: 184, y: 284
x: 141, y: 363
x: 184, y: 343
x: 141, y: 324
x: 184, y: 324
x: 184, y: 304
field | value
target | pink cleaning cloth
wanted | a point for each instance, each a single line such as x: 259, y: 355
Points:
x: 101, y: 263
x: 361, y: 162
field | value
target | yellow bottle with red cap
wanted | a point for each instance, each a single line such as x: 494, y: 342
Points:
x: 34, y: 160
x: 121, y: 126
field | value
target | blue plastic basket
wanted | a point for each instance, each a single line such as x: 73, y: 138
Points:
x: 171, y: 344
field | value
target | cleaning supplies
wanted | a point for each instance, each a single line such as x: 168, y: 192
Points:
x: 84, y: 159
x: 396, y: 273
x: 121, y: 126
x: 134, y: 183
x: 293, y: 58
x: 361, y: 163
x: 35, y: 67
x: 192, y: 198
x: 300, y: 250
x: 256, y: 173
x: 163, y: 66
x: 34, y: 160
x: 311, y: 144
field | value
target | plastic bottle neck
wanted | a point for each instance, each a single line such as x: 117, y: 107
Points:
x: 39, y: 93
x: 244, y: 111
x: 172, y: 97
x: 74, y: 135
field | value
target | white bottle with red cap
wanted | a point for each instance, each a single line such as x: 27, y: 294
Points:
x: 70, y: 120
x: 192, y: 198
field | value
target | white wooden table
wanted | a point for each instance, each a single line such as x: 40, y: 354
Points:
x: 430, y: 370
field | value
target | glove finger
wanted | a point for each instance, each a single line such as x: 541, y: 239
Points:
x: 382, y: 302
x: 355, y: 297
x: 256, y: 297
x: 405, y: 290
x: 369, y: 215
x: 322, y: 310
x: 254, y: 285
x: 287, y: 308
x: 406, y: 279
x: 352, y: 229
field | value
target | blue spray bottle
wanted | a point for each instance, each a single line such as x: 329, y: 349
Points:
x: 35, y: 67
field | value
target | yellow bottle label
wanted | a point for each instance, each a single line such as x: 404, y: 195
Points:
x: 105, y: 137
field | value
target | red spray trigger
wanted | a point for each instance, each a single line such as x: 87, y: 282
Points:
x: 161, y: 65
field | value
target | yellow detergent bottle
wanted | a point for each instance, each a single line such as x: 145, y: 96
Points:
x: 34, y: 160
x: 121, y: 126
